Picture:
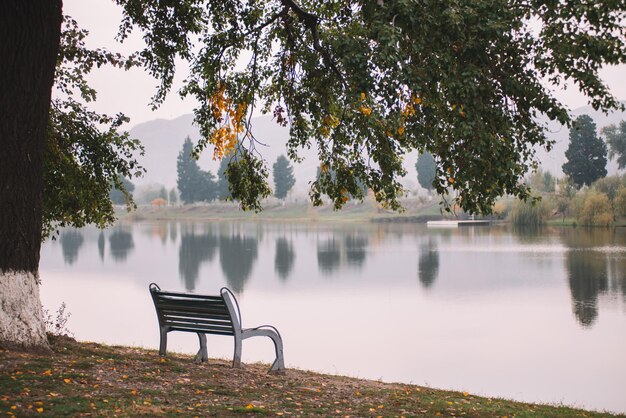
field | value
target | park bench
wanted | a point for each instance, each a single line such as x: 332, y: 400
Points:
x: 202, y: 314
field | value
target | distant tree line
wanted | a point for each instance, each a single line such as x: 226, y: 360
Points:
x: 585, y: 195
x: 197, y: 185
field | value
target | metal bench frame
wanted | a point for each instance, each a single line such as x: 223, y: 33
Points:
x: 203, y: 314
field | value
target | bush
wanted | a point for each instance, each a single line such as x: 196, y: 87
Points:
x: 501, y: 209
x: 595, y: 209
x: 528, y: 214
x: 57, y: 325
x: 608, y: 185
x: 619, y: 203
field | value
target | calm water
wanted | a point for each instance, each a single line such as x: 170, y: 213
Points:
x: 531, y: 316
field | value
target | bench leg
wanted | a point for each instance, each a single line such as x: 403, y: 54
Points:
x: 163, y: 342
x: 237, y: 356
x: 202, y: 352
x: 279, y: 363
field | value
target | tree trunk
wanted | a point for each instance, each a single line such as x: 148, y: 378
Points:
x: 30, y: 33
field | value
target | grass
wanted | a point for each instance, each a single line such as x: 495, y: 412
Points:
x: 295, y: 212
x: 87, y: 379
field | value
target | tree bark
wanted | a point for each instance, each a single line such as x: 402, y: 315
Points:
x: 30, y: 34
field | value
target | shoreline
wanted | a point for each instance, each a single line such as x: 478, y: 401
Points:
x: 83, y: 378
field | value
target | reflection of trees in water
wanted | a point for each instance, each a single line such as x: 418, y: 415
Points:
x: 587, y: 270
x: 71, y: 241
x: 237, y: 255
x: 528, y: 234
x: 356, y: 250
x: 285, y: 257
x: 428, y: 263
x: 120, y: 244
x: 101, y: 242
x: 328, y: 256
x: 193, y: 250
x: 173, y: 231
x: 587, y: 273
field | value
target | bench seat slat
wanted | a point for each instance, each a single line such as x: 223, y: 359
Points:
x: 173, y: 312
x: 163, y: 295
x: 188, y: 324
x: 192, y: 320
x: 192, y: 303
x: 205, y: 331
x: 194, y: 309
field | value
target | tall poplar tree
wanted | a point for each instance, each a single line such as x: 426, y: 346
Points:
x: 616, y: 139
x: 586, y: 154
x: 426, y: 170
x: 194, y: 184
x: 283, y: 177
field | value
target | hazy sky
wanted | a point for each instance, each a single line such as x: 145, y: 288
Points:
x: 130, y: 92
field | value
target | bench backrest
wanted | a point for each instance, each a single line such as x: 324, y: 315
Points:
x: 195, y: 313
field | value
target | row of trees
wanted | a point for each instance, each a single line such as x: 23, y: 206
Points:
x: 197, y: 185
x: 586, y: 156
x: 585, y: 194
x: 586, y: 162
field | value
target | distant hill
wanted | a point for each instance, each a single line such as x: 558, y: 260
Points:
x: 163, y: 140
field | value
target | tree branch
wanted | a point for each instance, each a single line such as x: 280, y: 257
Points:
x: 312, y: 22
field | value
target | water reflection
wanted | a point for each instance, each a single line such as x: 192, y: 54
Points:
x: 328, y: 256
x: 71, y: 241
x: 237, y: 256
x: 356, y: 247
x: 194, y: 250
x: 173, y: 232
x: 120, y: 244
x: 101, y: 242
x: 473, y: 284
x: 587, y: 270
x: 428, y: 264
x: 285, y: 257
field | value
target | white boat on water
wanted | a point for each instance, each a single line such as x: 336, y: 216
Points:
x: 455, y: 224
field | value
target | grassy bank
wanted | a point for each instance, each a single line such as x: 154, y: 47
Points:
x: 416, y: 210
x: 86, y: 379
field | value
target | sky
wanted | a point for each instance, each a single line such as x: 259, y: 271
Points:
x: 130, y: 92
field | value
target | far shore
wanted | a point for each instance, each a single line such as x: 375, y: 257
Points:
x: 415, y: 211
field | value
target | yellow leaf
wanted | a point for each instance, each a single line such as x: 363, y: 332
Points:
x: 67, y: 380
x: 380, y: 406
x: 47, y: 372
x: 133, y: 392
x: 249, y: 406
x: 465, y: 393
x: 40, y: 410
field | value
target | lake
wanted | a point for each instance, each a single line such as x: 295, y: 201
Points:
x: 534, y: 316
